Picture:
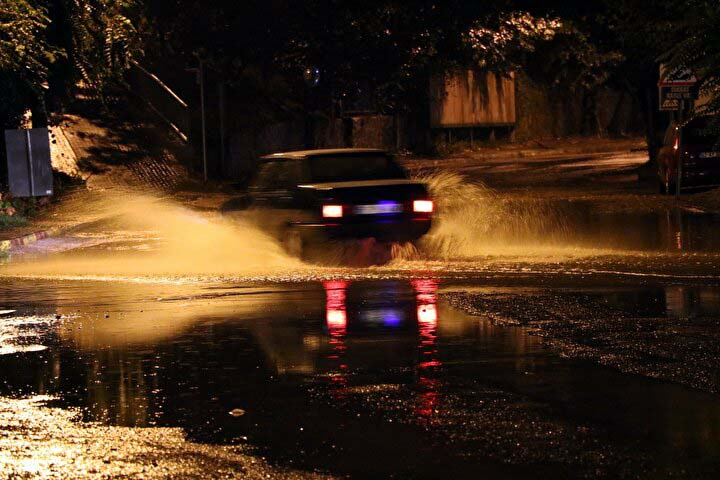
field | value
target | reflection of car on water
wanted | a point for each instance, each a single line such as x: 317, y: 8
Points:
x: 318, y: 195
x: 398, y: 328
x: 403, y: 307
x: 695, y: 148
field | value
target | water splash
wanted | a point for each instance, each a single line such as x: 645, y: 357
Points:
x: 472, y: 220
x: 166, y: 240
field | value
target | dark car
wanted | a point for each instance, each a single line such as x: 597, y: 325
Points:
x: 312, y: 196
x: 699, y: 156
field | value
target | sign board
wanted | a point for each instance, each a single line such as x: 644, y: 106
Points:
x: 669, y: 104
x: 677, y: 77
x: 676, y: 86
x: 679, y: 93
x: 28, y: 162
x: 670, y: 97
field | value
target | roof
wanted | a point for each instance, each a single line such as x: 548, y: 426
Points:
x: 360, y: 183
x: 321, y: 152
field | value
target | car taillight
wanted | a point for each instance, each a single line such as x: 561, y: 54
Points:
x: 332, y: 211
x: 423, y: 206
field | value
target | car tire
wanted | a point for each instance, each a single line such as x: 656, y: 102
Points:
x: 293, y: 243
x: 661, y: 187
x: 669, y: 186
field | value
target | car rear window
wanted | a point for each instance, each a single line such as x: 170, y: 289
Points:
x: 277, y: 175
x: 340, y: 168
x: 699, y: 132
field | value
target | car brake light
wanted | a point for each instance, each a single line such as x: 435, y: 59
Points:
x: 677, y: 143
x: 423, y: 206
x: 332, y: 211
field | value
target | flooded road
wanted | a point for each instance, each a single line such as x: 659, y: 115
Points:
x: 519, y: 339
x: 365, y: 378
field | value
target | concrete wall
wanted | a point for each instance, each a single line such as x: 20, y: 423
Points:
x: 246, y: 145
x: 543, y: 112
x: 373, y: 131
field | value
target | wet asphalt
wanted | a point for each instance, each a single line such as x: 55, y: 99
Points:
x: 416, y: 378
x: 594, y: 355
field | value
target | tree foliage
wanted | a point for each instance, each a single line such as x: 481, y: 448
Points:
x: 698, y: 48
x: 49, y: 42
x: 392, y: 48
x: 25, y: 57
x: 377, y: 51
x: 104, y: 39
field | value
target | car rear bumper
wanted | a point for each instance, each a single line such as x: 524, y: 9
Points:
x: 390, y: 230
x: 699, y: 178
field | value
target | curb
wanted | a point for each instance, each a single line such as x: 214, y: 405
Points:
x: 6, y: 245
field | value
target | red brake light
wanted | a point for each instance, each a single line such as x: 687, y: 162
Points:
x: 332, y: 211
x: 423, y: 206
x: 677, y: 143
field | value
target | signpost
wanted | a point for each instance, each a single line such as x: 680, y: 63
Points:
x: 28, y: 162
x: 676, y: 87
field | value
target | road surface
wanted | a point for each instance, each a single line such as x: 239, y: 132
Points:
x: 521, y: 339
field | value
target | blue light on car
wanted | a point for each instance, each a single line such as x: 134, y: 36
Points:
x: 383, y: 207
x: 388, y: 317
x: 392, y: 319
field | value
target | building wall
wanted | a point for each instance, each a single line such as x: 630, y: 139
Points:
x: 544, y: 111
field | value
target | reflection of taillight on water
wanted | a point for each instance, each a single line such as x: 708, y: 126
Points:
x: 336, y: 312
x: 425, y: 286
x: 428, y: 362
x: 426, y: 296
x: 336, y: 319
x: 332, y: 211
x: 427, y: 314
x: 423, y: 206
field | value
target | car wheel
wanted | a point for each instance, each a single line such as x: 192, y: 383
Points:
x: 293, y: 243
x: 670, y: 186
x: 661, y: 185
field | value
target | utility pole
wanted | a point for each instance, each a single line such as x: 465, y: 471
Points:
x: 200, y: 79
x: 221, y: 101
x: 680, y: 147
x: 201, y: 74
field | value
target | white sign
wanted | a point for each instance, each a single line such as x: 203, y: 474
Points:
x: 677, y: 77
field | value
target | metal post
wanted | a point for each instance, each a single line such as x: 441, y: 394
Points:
x: 397, y: 132
x: 201, y: 73
x: 680, y: 148
x: 31, y: 173
x: 221, y: 99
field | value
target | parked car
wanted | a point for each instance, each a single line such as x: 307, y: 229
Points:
x: 315, y: 196
x: 699, y: 154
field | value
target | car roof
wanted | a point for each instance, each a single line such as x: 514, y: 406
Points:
x: 300, y: 154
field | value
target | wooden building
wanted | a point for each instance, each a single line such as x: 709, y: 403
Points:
x: 472, y: 99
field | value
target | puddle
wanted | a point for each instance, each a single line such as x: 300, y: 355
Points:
x: 365, y: 378
x: 669, y: 231
x: 23, y: 334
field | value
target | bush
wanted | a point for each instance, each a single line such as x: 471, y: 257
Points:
x: 7, y: 221
x: 19, y: 207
